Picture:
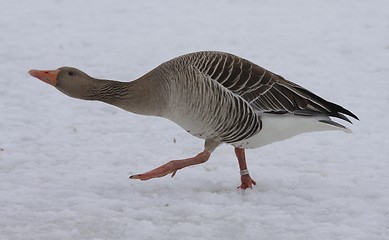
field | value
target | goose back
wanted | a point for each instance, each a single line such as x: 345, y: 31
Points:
x: 264, y: 90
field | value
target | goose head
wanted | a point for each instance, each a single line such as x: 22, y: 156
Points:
x: 71, y: 81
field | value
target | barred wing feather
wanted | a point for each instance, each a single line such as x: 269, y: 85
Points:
x: 264, y: 90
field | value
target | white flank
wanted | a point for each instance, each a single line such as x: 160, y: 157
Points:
x: 280, y: 127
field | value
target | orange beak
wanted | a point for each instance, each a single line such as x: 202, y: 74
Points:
x: 47, y: 76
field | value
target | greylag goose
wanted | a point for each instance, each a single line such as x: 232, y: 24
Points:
x: 216, y: 96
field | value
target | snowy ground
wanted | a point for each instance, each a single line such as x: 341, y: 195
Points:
x: 64, y: 162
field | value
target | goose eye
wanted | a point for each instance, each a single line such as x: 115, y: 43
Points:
x: 70, y: 73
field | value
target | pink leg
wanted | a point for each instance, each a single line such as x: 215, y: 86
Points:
x: 173, y: 166
x: 245, y: 178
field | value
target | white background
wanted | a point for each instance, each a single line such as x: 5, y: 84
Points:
x: 64, y: 162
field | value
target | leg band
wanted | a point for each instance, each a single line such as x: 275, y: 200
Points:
x: 244, y: 172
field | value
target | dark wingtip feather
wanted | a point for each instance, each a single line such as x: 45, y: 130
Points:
x: 333, y: 109
x: 341, y: 116
x: 350, y: 114
x: 339, y: 111
x: 335, y: 124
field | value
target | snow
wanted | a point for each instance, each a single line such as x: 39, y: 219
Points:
x: 64, y: 163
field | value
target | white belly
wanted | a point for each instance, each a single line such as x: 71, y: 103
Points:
x: 280, y: 127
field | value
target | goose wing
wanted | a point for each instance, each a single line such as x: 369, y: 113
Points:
x: 263, y: 90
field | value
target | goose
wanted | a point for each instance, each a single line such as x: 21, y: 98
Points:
x: 215, y: 96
